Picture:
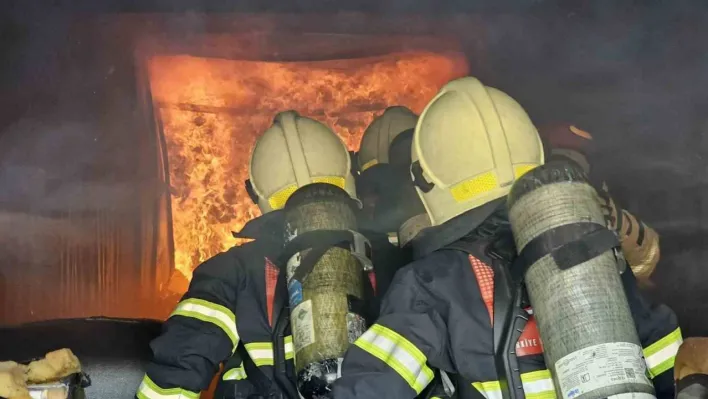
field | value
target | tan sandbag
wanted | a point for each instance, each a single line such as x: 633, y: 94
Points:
x: 692, y: 358
x: 13, y: 383
x: 55, y: 365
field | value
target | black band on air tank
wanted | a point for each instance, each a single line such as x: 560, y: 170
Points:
x: 319, y: 242
x: 569, y: 245
x: 551, y: 172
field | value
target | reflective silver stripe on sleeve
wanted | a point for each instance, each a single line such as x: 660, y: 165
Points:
x: 397, y: 353
x: 149, y: 390
x: 209, y: 312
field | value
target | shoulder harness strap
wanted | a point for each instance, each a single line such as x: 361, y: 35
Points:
x: 509, y: 316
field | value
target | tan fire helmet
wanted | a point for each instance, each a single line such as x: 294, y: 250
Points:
x: 294, y: 152
x: 470, y: 144
x: 380, y: 134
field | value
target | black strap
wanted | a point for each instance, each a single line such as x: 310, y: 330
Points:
x: 367, y: 306
x: 418, y: 178
x: 280, y: 369
x: 319, y: 242
x: 509, y: 322
x: 695, y: 386
x: 251, y: 191
x: 474, y: 248
x: 569, y: 245
x: 509, y: 316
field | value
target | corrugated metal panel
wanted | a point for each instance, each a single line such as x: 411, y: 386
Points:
x: 73, y: 265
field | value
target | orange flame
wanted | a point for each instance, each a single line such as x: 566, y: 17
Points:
x: 212, y: 110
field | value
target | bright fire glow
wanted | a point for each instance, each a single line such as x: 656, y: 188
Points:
x: 212, y: 110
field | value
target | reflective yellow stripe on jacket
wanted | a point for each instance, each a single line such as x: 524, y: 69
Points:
x: 149, y: 390
x: 537, y: 385
x: 397, y: 353
x: 262, y: 352
x: 239, y: 373
x: 209, y: 312
x: 660, y: 355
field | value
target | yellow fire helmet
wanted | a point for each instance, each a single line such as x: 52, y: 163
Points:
x: 380, y: 134
x: 470, y: 144
x: 294, y: 152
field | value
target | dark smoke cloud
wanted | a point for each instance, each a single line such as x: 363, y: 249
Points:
x: 54, y: 167
x: 631, y: 73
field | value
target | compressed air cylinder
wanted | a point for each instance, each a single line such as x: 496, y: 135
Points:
x: 322, y: 321
x: 590, y: 342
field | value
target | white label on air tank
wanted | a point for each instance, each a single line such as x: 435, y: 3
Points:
x: 302, y: 325
x: 600, y: 366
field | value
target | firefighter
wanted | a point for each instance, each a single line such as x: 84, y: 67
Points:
x: 375, y: 180
x: 398, y: 215
x: 379, y: 186
x: 440, y: 310
x: 640, y: 243
x: 234, y: 313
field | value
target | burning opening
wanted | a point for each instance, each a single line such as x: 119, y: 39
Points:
x: 211, y: 110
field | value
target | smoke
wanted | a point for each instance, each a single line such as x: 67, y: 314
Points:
x: 38, y: 239
x: 59, y: 167
x: 634, y: 76
x: 58, y: 179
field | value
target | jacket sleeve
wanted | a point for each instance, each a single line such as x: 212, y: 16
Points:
x: 659, y: 334
x: 199, y: 334
x: 393, y: 358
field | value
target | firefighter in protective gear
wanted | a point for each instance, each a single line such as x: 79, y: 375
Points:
x: 234, y: 313
x: 640, y: 243
x: 383, y: 158
x: 375, y: 175
x: 470, y: 144
x: 377, y: 139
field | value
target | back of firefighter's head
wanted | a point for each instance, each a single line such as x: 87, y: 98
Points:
x: 294, y: 152
x: 380, y: 134
x: 375, y: 174
x: 470, y: 144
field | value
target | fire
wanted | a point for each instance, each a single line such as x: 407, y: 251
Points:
x: 212, y: 110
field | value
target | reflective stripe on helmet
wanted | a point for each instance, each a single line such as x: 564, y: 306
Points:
x: 278, y: 200
x: 397, y: 353
x: 483, y: 183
